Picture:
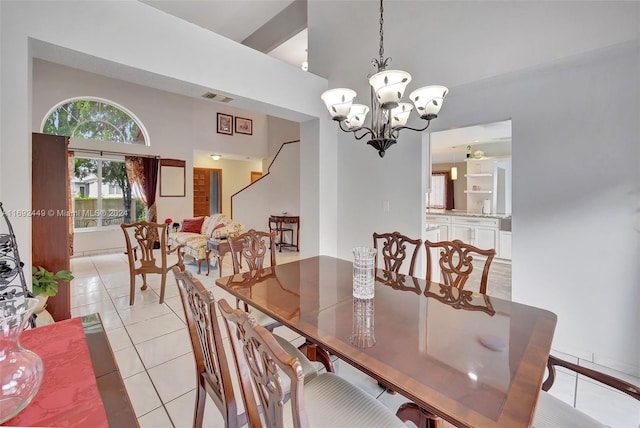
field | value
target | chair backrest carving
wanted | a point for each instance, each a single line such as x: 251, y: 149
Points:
x: 395, y: 248
x: 147, y: 237
x: 456, y: 262
x: 257, y: 352
x: 212, y: 368
x: 255, y: 246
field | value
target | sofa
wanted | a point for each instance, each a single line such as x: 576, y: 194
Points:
x: 195, y: 232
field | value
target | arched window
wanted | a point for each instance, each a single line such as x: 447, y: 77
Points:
x: 101, y: 193
x: 96, y: 120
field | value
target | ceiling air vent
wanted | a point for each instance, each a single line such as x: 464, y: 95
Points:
x: 216, y: 97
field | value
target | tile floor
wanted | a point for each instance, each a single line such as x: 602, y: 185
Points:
x: 152, y: 348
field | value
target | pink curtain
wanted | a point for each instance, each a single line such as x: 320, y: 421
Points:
x: 142, y: 173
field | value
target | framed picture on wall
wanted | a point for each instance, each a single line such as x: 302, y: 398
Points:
x: 225, y: 124
x: 244, y: 126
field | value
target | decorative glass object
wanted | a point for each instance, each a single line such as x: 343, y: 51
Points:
x: 20, y: 370
x: 363, y: 272
x: 362, y: 333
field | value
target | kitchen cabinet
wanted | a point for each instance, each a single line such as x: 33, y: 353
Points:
x: 480, y: 232
x: 443, y: 222
x: 489, y: 179
x: 505, y: 245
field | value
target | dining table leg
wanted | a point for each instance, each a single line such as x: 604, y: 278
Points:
x: 317, y: 353
x: 421, y: 417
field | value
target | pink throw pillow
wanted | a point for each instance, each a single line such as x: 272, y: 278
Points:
x: 192, y: 224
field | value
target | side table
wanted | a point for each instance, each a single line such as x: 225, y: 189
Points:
x: 284, y: 224
x: 220, y: 247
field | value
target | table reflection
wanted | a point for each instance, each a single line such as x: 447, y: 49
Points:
x: 459, y: 299
x: 398, y: 281
x: 362, y: 332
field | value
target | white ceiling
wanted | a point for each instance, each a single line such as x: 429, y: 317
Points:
x: 451, y: 145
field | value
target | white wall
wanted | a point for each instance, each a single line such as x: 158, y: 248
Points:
x: 276, y: 192
x: 154, y: 57
x: 575, y: 249
x: 178, y: 127
x: 575, y: 144
x: 236, y: 175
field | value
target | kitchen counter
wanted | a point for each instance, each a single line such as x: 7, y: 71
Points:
x: 504, y: 220
x: 467, y: 214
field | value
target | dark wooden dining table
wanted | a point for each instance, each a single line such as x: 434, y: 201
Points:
x: 471, y: 359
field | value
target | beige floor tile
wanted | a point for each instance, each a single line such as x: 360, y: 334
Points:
x: 129, y: 362
x: 119, y: 339
x: 157, y: 418
x: 142, y: 394
x: 164, y: 348
x: 181, y: 411
x: 174, y: 378
x: 155, y: 326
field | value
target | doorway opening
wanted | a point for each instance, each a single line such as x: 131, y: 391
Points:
x: 207, y: 191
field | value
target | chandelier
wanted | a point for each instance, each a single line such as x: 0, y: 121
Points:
x: 388, y: 114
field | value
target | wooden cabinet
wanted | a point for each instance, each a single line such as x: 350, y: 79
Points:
x: 51, y: 238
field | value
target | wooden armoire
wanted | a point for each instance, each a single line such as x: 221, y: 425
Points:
x: 52, y: 232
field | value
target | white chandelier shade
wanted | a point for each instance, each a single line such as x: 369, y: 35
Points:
x: 357, y: 115
x: 389, y: 86
x: 338, y: 102
x: 428, y: 100
x: 400, y: 114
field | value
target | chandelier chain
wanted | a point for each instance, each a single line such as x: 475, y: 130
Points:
x: 381, y: 33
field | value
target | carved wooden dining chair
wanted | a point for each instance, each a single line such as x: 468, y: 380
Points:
x: 255, y: 246
x: 455, y: 262
x: 213, y: 374
x: 395, y: 248
x: 325, y: 400
x: 258, y: 246
x: 553, y: 412
x: 142, y: 258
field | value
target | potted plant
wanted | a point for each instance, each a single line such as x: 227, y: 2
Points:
x: 44, y: 285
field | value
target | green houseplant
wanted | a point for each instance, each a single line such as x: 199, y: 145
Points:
x: 45, y: 283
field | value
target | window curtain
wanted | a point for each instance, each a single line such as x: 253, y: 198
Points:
x: 442, y: 194
x: 142, y: 173
x: 448, y: 182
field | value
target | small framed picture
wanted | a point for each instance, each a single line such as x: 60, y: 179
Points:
x: 225, y: 124
x: 244, y: 126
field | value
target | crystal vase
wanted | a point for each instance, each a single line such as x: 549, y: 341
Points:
x: 20, y: 370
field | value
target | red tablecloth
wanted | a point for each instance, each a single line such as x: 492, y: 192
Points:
x: 68, y: 396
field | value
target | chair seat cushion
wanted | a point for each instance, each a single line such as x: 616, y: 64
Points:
x: 553, y: 413
x: 309, y: 370
x: 331, y: 401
